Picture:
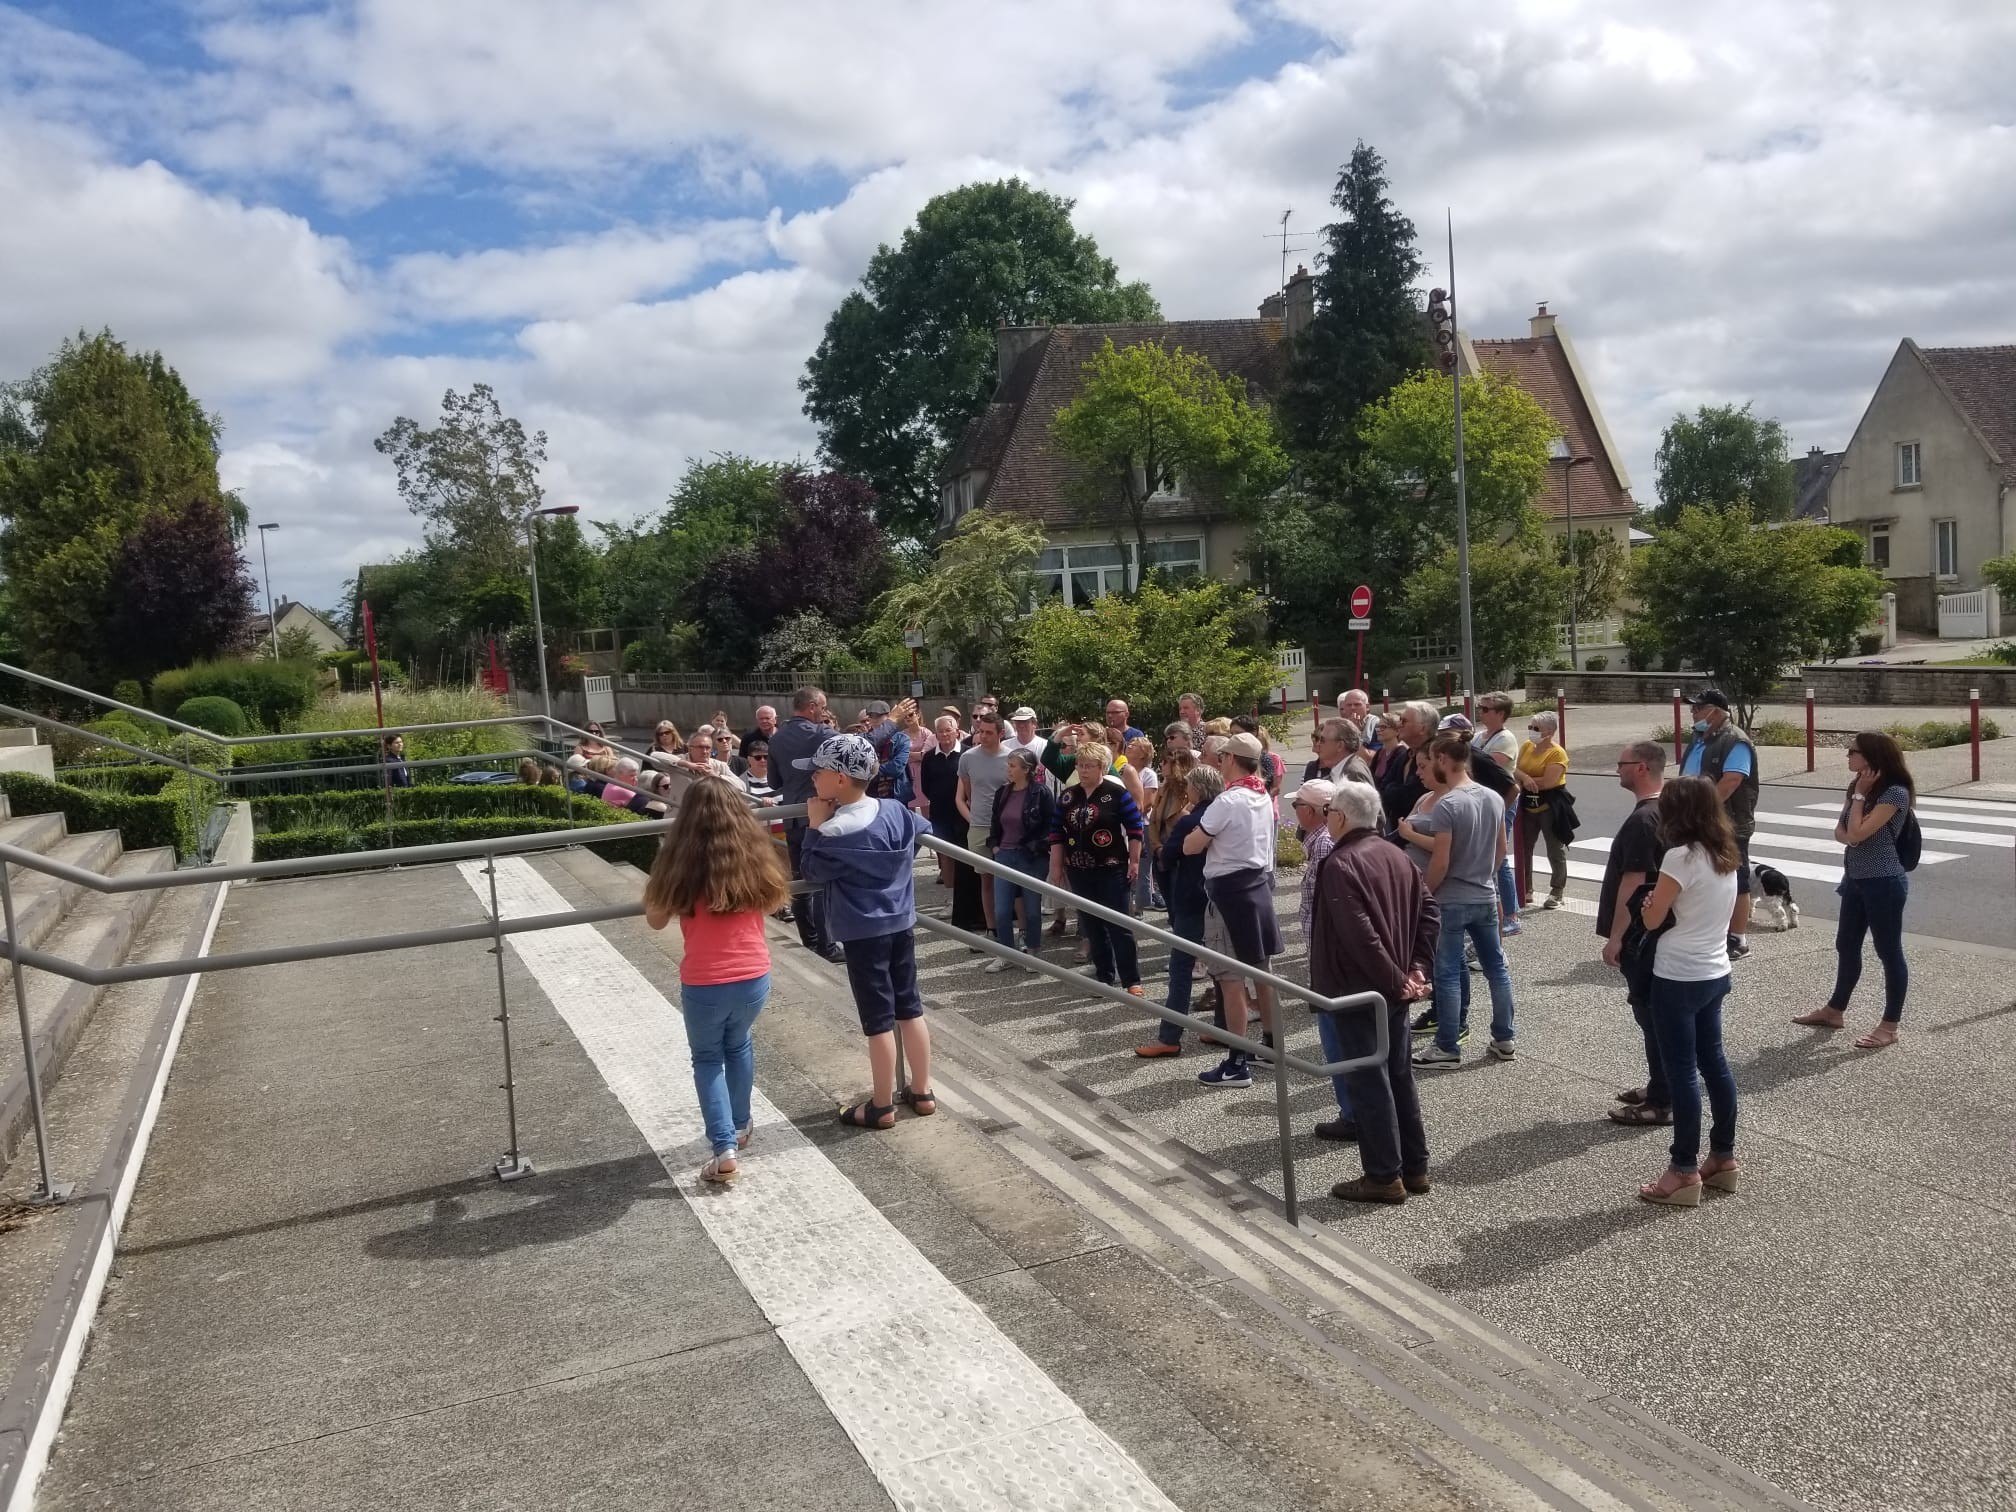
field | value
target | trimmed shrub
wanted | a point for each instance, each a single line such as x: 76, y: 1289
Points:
x: 1414, y: 685
x: 336, y: 840
x: 1779, y: 732
x: 275, y: 694
x: 130, y: 692
x: 143, y: 821
x: 140, y: 777
x: 1868, y: 645
x: 1595, y: 664
x: 349, y: 808
x: 1935, y: 733
x: 353, y: 670
x: 220, y: 716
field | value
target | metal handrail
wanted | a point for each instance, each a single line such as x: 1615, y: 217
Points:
x: 1278, y: 1053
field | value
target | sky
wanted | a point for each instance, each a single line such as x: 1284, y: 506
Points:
x: 632, y: 217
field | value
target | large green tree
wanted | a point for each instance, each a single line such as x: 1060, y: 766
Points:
x: 1400, y: 510
x: 1743, y: 602
x: 1518, y: 598
x: 1369, y: 332
x: 723, y: 503
x: 909, y: 357
x: 92, y: 446
x: 1724, y: 457
x: 968, y: 603
x: 1149, y: 420
x: 472, y: 477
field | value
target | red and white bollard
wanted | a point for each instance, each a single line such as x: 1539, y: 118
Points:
x: 1974, y: 729
x: 1385, y: 700
x: 1561, y: 715
x: 1679, y: 745
x: 1315, y: 709
x: 1468, y: 712
x: 1448, y: 685
x: 1809, y: 729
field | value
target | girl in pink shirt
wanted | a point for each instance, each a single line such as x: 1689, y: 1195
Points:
x: 718, y: 874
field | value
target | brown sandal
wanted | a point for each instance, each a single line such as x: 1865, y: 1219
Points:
x: 1878, y: 1038
x: 1642, y: 1115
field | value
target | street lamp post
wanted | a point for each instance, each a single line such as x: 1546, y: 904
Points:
x: 266, y: 571
x: 538, y: 624
x: 1568, y: 496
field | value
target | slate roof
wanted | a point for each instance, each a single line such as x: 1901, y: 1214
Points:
x: 1981, y: 381
x: 1540, y: 366
x: 1011, y: 437
x: 1812, y: 477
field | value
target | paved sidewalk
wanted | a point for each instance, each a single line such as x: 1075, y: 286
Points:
x: 1830, y: 1327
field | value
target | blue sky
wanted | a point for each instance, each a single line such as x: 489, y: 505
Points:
x: 632, y: 218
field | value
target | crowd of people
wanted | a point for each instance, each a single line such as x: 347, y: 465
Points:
x: 1411, y: 823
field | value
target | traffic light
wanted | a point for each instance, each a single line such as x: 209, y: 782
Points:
x: 1445, y: 329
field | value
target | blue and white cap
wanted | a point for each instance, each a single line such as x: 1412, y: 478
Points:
x: 849, y: 755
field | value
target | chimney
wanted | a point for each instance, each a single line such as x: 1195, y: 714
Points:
x: 1543, y: 323
x: 1300, y: 311
x: 1271, y: 307
x: 1011, y: 341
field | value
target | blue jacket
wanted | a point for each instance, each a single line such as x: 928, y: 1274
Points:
x: 869, y: 876
x: 1182, y: 877
x: 894, y: 779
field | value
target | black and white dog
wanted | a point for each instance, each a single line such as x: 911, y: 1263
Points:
x: 1772, y: 907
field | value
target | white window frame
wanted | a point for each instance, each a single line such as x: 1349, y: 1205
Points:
x: 1946, y: 565
x: 1169, y: 487
x: 1881, y: 532
x: 1056, y: 580
x: 1910, y: 465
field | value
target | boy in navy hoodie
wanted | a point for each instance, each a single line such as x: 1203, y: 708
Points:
x: 864, y: 852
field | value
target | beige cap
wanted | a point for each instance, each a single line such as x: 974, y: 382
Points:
x: 1245, y: 745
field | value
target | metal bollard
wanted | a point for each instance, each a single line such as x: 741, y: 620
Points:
x: 1973, y: 738
x: 1679, y: 748
x: 1561, y: 715
x: 1809, y: 729
x: 514, y: 1164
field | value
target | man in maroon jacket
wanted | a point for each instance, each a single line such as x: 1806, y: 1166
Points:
x: 1374, y: 930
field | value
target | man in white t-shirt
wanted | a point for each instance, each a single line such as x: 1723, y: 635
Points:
x: 1023, y: 723
x: 1236, y: 838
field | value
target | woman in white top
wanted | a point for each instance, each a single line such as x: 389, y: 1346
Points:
x: 1690, y: 978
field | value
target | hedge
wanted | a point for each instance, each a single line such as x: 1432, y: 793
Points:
x: 143, y: 821
x: 143, y: 777
x: 276, y: 694
x: 220, y: 716
x: 347, y: 808
x: 333, y: 840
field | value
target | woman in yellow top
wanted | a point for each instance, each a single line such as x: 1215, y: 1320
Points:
x: 1543, y: 772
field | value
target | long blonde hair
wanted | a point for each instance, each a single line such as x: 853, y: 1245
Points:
x: 1172, y: 798
x: 718, y: 857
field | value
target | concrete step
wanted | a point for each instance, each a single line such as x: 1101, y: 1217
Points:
x: 1322, y: 1329
x: 1480, y: 1395
x: 95, y: 930
x: 99, y: 1117
x: 34, y: 832
x: 41, y: 901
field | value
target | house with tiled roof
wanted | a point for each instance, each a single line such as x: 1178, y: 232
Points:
x: 1927, y: 477
x: 1813, y: 483
x: 1008, y: 460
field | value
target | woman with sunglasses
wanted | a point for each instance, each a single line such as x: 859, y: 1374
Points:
x: 1874, y: 885
x: 666, y: 738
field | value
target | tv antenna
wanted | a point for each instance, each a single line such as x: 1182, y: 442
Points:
x: 1301, y: 244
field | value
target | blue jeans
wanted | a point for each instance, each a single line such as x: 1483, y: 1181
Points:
x: 1189, y: 923
x: 1479, y: 922
x: 1508, y: 881
x: 1872, y: 905
x: 724, y: 1052
x: 1332, y: 1035
x: 1006, y: 890
x: 1688, y: 1016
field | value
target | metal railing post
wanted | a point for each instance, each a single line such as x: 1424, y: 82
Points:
x: 46, y: 1189
x: 1288, y: 1196
x: 514, y: 1164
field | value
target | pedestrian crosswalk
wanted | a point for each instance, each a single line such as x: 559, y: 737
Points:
x: 1800, y: 841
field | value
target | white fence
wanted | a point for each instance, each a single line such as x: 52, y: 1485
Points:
x: 1970, y: 616
x: 1291, y: 671
x: 1591, y: 635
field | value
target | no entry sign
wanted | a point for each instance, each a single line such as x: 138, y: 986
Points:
x: 1361, y: 608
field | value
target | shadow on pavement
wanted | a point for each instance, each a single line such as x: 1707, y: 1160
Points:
x: 1499, y: 1256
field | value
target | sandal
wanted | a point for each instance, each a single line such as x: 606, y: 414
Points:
x: 1720, y: 1172
x: 719, y: 1174
x: 1630, y: 1096
x: 866, y: 1114
x: 923, y: 1104
x: 1673, y: 1190
x: 744, y: 1134
x: 1642, y: 1115
x: 1882, y: 1035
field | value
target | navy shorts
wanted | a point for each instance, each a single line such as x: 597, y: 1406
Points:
x: 882, y: 970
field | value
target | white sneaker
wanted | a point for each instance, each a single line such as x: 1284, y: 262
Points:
x: 1501, y: 1050
x: 996, y: 966
x: 1031, y: 955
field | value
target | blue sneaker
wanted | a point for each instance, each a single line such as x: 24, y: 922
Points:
x: 1230, y: 1072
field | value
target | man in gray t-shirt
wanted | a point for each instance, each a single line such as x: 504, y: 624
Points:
x: 1465, y: 836
x: 983, y: 768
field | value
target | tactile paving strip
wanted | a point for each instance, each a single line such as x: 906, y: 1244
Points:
x: 943, y: 1407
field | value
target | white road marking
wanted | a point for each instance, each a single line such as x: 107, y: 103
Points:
x: 942, y: 1406
x: 2006, y: 819
x: 1931, y: 832
x: 1589, y: 871
x: 1981, y: 805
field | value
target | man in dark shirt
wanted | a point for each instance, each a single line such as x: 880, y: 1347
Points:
x: 800, y: 736
x: 1634, y: 861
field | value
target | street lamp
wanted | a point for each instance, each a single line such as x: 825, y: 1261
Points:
x: 531, y: 523
x: 266, y: 571
x: 1568, y: 496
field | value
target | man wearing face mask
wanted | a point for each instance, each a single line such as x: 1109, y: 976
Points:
x: 1724, y: 754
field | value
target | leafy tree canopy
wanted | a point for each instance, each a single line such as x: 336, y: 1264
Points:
x: 1724, y: 457
x: 1518, y: 595
x: 722, y: 503
x: 181, y: 592
x: 1149, y: 419
x: 1744, y: 602
x: 1369, y: 332
x: 472, y: 478
x: 91, y: 446
x: 910, y: 357
x: 1601, y: 566
x: 968, y: 604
